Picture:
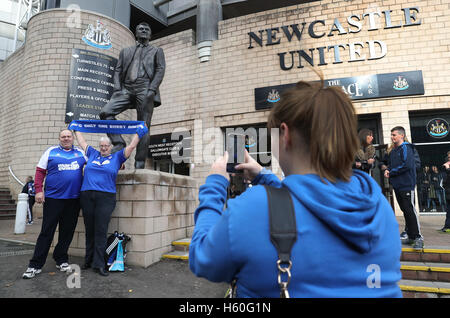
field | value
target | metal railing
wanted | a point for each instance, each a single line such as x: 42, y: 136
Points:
x: 14, y: 176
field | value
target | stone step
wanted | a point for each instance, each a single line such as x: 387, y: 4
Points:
x: 181, y: 250
x: 427, y: 254
x: 424, y: 289
x: 426, y: 271
x: 6, y: 201
x: 7, y: 211
x: 182, y: 245
x: 7, y: 207
x: 422, y: 278
x: 180, y: 255
x: 7, y: 216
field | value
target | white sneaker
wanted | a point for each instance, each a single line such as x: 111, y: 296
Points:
x: 64, y: 267
x: 31, y: 272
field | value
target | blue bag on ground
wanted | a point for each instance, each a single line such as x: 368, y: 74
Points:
x: 118, y: 263
x: 116, y: 251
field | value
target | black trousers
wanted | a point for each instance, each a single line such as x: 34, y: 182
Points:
x: 31, y: 200
x: 405, y: 200
x: 57, y: 212
x: 447, y: 217
x: 97, y: 208
x: 131, y: 96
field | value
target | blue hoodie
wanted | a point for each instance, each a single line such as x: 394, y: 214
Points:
x: 348, y: 239
x: 402, y: 167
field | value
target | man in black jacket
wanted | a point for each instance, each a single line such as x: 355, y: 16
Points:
x: 401, y: 172
x: 28, y: 188
x: 446, y: 185
x: 139, y: 72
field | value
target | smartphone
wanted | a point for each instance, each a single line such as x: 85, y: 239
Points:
x: 235, y: 145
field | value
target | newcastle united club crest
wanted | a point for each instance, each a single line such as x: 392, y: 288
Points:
x: 97, y: 36
x: 273, y: 96
x: 400, y: 84
x: 437, y: 128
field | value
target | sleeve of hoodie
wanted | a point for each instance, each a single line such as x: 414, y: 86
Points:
x: 210, y: 250
x: 267, y: 177
x: 406, y: 161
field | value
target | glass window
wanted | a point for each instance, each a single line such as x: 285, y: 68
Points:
x: 257, y: 142
x: 430, y: 133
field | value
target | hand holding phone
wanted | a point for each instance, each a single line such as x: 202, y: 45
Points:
x: 235, y: 145
x: 219, y: 166
x: 250, y: 167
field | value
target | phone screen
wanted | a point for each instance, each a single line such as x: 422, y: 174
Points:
x: 235, y: 145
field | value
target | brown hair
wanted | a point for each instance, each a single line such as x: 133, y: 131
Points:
x: 362, y: 135
x: 400, y: 130
x: 326, y: 119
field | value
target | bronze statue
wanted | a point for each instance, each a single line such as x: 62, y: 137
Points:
x: 139, y: 72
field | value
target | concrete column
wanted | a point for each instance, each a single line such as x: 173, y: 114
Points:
x: 209, y: 13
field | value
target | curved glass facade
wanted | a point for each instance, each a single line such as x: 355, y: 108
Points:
x: 8, y: 17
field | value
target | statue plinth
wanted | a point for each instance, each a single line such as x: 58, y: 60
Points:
x: 154, y: 208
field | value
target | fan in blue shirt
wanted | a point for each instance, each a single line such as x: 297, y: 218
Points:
x: 98, y: 194
x: 101, y: 171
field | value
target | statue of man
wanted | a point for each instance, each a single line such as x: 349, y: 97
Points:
x: 139, y: 72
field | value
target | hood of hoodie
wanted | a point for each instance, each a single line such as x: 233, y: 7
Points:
x: 350, y: 209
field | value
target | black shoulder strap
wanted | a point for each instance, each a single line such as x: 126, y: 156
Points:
x: 283, y: 228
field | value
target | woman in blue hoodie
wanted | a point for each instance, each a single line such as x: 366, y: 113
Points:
x: 347, y: 235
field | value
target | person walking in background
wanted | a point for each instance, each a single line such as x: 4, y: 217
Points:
x: 28, y: 188
x: 401, y: 171
x: 423, y: 188
x: 344, y: 223
x: 446, y: 184
x: 62, y: 168
x: 437, y: 179
x: 365, y: 156
x: 98, y: 194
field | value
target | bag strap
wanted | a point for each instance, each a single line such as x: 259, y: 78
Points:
x: 283, y: 231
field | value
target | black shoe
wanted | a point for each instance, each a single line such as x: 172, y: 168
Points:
x: 86, y: 266
x: 102, y: 271
x: 139, y: 164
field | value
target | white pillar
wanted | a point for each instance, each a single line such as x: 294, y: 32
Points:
x: 21, y: 214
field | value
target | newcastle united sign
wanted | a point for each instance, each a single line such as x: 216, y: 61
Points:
x: 338, y: 53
